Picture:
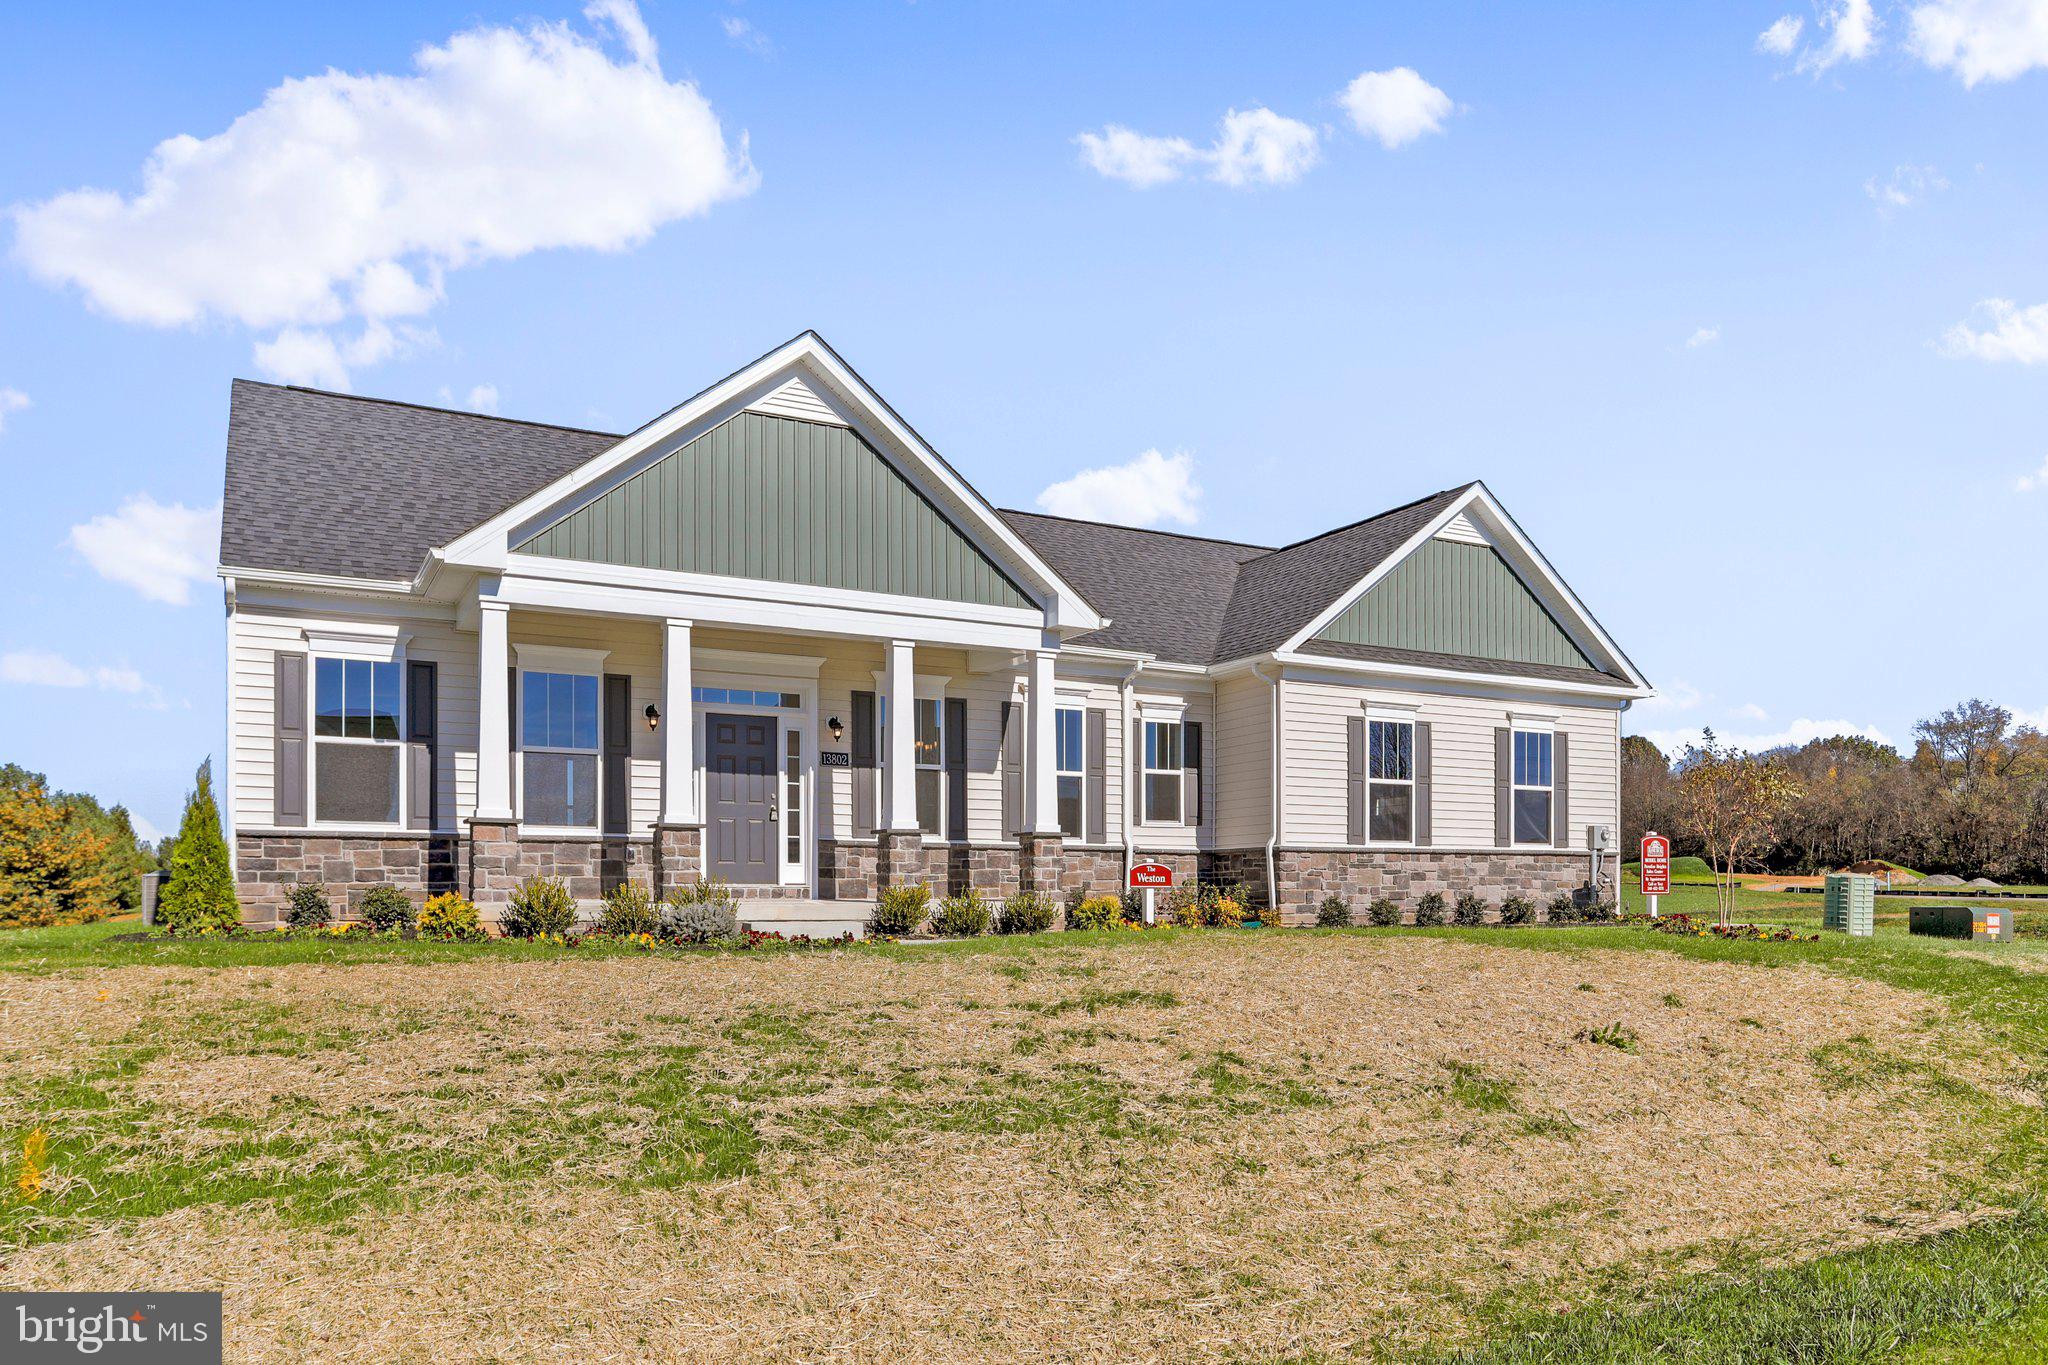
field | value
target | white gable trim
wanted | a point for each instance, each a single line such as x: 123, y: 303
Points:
x: 799, y: 400
x: 1480, y: 511
x: 827, y: 379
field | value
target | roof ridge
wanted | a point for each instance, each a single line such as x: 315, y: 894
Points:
x: 428, y: 407
x: 1349, y: 525
x: 1142, y: 530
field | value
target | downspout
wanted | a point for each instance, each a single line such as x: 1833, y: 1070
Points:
x: 227, y: 764
x: 1273, y: 818
x: 1123, y: 781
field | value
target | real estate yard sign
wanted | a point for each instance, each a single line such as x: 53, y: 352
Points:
x: 1149, y: 878
x: 1656, y: 868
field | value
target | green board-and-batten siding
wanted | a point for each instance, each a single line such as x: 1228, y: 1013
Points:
x: 784, y: 500
x: 1453, y: 598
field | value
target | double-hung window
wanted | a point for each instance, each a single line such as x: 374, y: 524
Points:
x: 356, y: 749
x: 1532, y: 788
x: 1069, y: 765
x: 1162, y: 772
x: 558, y: 740
x: 1390, y: 781
x: 928, y: 753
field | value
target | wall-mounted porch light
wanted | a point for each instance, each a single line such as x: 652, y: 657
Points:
x: 653, y: 714
x: 838, y: 730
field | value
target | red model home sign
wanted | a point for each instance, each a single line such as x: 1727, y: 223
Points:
x: 1151, y: 875
x: 1656, y: 865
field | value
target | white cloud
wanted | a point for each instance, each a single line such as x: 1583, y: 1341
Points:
x: 1851, y: 26
x: 743, y: 34
x: 158, y: 550
x: 1150, y: 489
x: 1907, y: 187
x: 482, y: 398
x: 1981, y: 40
x: 1781, y: 37
x: 342, y: 200
x: 11, y: 400
x: 1705, y: 336
x: 1395, y: 106
x: 1798, y: 732
x: 1749, y: 710
x: 1253, y: 147
x: 2018, y: 334
x: 2034, y: 482
x: 41, y: 668
x: 1677, y: 695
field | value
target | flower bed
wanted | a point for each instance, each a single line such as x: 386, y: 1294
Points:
x: 1689, y: 927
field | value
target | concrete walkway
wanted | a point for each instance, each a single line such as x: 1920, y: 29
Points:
x: 818, y: 919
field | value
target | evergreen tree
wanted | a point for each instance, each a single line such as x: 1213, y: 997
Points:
x: 201, y: 891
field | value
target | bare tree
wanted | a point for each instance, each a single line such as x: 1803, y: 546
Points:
x: 1732, y: 801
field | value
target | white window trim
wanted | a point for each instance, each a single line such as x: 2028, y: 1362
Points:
x: 1078, y: 709
x: 1514, y: 787
x: 581, y: 663
x: 1160, y: 715
x: 314, y: 740
x: 1387, y: 715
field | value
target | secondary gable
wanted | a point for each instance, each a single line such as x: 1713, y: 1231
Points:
x: 1454, y: 594
x: 774, y: 497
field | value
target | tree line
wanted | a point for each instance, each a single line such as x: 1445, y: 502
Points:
x: 1971, y: 799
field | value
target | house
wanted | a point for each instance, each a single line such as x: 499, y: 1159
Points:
x: 773, y: 637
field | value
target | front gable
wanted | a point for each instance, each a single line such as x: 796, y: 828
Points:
x: 785, y: 499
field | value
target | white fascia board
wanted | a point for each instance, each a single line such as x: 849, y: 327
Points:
x: 1328, y: 668
x: 786, y: 617
x: 330, y: 582
x: 487, y: 547
x: 260, y: 599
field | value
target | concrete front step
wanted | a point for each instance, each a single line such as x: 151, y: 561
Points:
x: 813, y: 918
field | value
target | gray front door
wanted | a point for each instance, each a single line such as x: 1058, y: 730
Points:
x: 739, y: 765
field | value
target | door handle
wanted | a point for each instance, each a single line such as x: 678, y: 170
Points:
x: 772, y: 810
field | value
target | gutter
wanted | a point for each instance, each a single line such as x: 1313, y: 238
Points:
x: 1273, y: 818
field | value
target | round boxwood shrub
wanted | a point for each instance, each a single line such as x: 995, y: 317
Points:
x: 628, y: 909
x: 541, y: 908
x: 1430, y: 909
x: 963, y: 916
x: 306, y: 906
x: 900, y: 911
x: 1333, y: 913
x: 701, y: 912
x: 1384, y: 912
x: 1469, y: 910
x: 1095, y: 912
x: 385, y: 908
x: 1563, y: 909
x: 1517, y: 910
x: 1027, y: 912
x: 451, y: 918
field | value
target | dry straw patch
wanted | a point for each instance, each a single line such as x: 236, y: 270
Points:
x: 1225, y: 1144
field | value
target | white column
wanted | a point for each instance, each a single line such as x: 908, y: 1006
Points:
x: 899, y: 765
x: 493, y: 713
x: 678, y: 728
x: 1042, y: 765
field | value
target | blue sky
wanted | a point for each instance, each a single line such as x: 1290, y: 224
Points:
x: 1713, y: 319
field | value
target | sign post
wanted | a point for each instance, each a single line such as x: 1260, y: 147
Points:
x: 1150, y: 878
x: 1656, y: 868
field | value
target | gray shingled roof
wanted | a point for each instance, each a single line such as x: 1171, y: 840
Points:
x: 326, y: 483
x: 329, y: 483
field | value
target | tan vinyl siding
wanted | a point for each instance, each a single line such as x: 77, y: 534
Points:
x: 1244, y: 768
x: 1461, y: 737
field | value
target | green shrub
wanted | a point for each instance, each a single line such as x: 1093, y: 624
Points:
x: 963, y: 916
x: 384, y: 908
x: 1225, y: 907
x: 1384, y: 912
x: 1027, y: 912
x: 1517, y: 910
x: 1430, y: 909
x: 451, y: 918
x: 628, y: 909
x: 541, y: 908
x: 1599, y: 910
x: 1563, y: 908
x: 1333, y: 913
x: 200, y: 895
x: 1095, y: 912
x: 306, y: 906
x: 700, y: 912
x: 900, y: 911
x: 1469, y: 910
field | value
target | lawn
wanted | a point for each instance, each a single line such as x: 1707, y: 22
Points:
x: 1503, y: 1144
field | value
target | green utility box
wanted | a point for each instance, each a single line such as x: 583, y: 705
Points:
x: 1962, y: 921
x: 1851, y: 904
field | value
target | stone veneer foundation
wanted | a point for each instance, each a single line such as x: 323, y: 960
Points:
x: 268, y: 864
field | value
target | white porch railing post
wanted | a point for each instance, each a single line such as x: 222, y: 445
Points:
x: 679, y: 727
x: 493, y: 713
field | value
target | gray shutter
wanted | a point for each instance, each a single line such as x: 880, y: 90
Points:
x: 512, y: 707
x: 288, y: 722
x: 863, y: 764
x: 1191, y: 773
x: 1013, y: 768
x: 1561, y: 790
x: 956, y: 768
x: 1504, y: 787
x: 422, y: 726
x: 1138, y: 771
x: 1095, y: 824
x: 1354, y: 780
x: 1422, y: 783
x: 615, y: 770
